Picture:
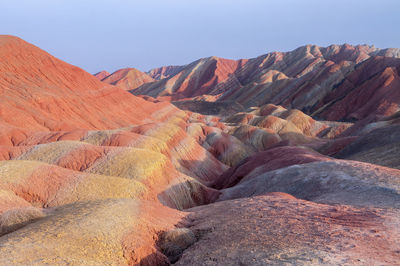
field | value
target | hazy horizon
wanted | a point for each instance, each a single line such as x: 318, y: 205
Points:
x: 101, y: 35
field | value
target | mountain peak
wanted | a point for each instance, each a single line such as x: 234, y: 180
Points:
x: 128, y: 78
x: 102, y: 74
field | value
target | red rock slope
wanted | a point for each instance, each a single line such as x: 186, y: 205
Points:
x: 40, y: 92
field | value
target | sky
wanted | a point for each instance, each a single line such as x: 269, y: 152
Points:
x: 109, y: 35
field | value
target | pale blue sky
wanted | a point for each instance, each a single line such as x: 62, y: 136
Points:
x: 109, y: 35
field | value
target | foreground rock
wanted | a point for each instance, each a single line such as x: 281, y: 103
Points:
x: 279, y: 229
x: 114, y: 231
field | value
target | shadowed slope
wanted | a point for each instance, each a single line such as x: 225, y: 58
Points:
x: 334, y: 182
x: 380, y: 146
x: 371, y: 89
x: 266, y: 161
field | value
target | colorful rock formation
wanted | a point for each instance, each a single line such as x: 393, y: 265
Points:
x: 326, y: 82
x: 244, y: 172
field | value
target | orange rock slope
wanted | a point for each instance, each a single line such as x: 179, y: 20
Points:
x: 40, y: 92
x: 91, y: 174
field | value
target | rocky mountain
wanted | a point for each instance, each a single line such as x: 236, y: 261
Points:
x: 128, y: 78
x: 244, y: 172
x: 102, y: 74
x: 164, y: 72
x: 326, y: 82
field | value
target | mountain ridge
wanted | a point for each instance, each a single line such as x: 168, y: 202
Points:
x: 309, y: 73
